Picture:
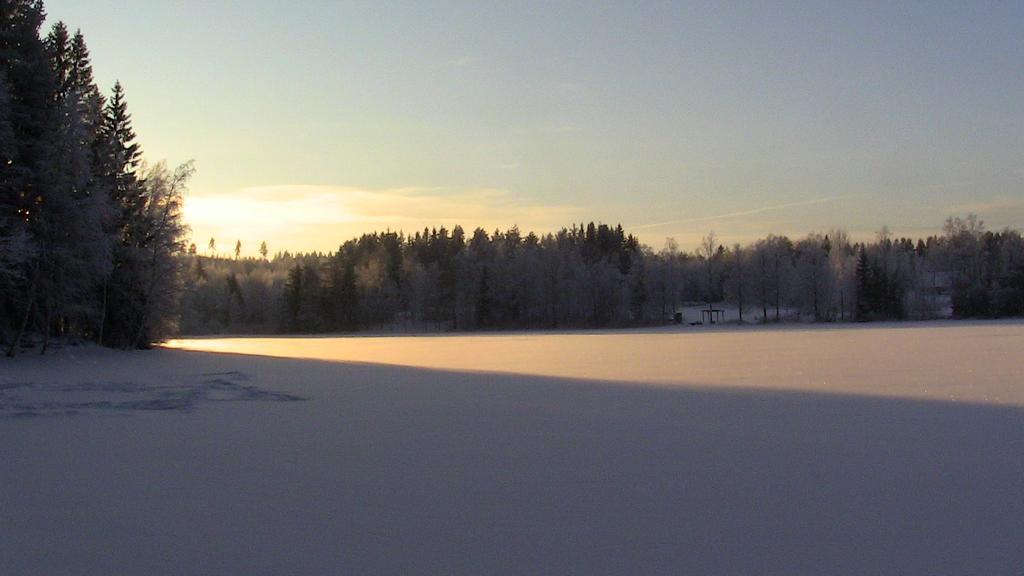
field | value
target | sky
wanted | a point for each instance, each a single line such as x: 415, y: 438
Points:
x: 311, y: 122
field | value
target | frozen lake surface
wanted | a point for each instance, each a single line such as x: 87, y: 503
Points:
x: 978, y: 362
x: 882, y: 449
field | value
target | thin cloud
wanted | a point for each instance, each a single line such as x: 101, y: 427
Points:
x: 545, y: 129
x: 996, y: 206
x: 740, y: 214
x: 462, y: 62
x: 570, y: 89
x: 303, y: 217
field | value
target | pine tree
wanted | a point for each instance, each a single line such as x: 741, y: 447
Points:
x: 865, y: 286
x: 81, y: 79
x: 638, y: 291
x: 26, y: 112
x: 67, y: 160
x: 29, y: 80
x: 348, y: 303
x: 120, y: 159
x: 26, y: 196
x: 75, y: 254
x: 484, y: 301
x: 7, y: 143
x: 293, y: 298
x: 58, y: 47
x: 15, y: 245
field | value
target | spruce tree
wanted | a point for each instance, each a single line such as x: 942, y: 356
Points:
x: 14, y: 239
x: 67, y: 257
x: 293, y: 299
x: 58, y: 47
x: 81, y: 79
x: 865, y: 286
x: 121, y: 157
x: 484, y: 301
x: 30, y: 114
x: 73, y: 254
x: 8, y: 147
x: 348, y: 303
x: 24, y: 66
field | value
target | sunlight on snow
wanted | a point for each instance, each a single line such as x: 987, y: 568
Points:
x: 942, y: 361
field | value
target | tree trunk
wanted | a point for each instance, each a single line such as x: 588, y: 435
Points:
x: 13, y: 348
x: 739, y: 296
x: 103, y: 312
x: 46, y: 327
x: 764, y: 301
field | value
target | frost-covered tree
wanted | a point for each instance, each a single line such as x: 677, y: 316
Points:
x: 162, y: 245
x: 738, y: 281
x: 15, y: 244
x: 80, y: 233
x: 711, y: 262
x: 814, y: 280
x: 119, y: 157
x: 80, y: 78
x: 586, y: 275
x: 28, y: 91
x: 74, y: 253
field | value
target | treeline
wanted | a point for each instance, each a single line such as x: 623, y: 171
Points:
x: 90, y: 237
x: 597, y: 275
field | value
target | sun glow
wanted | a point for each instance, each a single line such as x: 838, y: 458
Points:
x: 322, y: 217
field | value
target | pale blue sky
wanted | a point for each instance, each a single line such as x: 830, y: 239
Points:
x: 313, y: 121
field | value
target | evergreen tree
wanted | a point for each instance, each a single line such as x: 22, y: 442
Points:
x: 120, y: 159
x: 865, y: 286
x: 311, y: 313
x: 75, y: 254
x: 67, y: 257
x: 348, y: 299
x: 293, y: 298
x: 29, y: 83
x: 58, y: 47
x: 81, y: 79
x: 27, y: 79
x: 638, y: 291
x: 484, y: 301
x: 15, y: 244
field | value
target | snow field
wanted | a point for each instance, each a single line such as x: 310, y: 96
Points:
x: 720, y: 452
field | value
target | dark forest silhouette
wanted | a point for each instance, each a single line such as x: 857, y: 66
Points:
x: 89, y: 235
x: 598, y: 275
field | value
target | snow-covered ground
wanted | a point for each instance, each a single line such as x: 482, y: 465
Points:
x: 892, y: 449
x: 942, y: 360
